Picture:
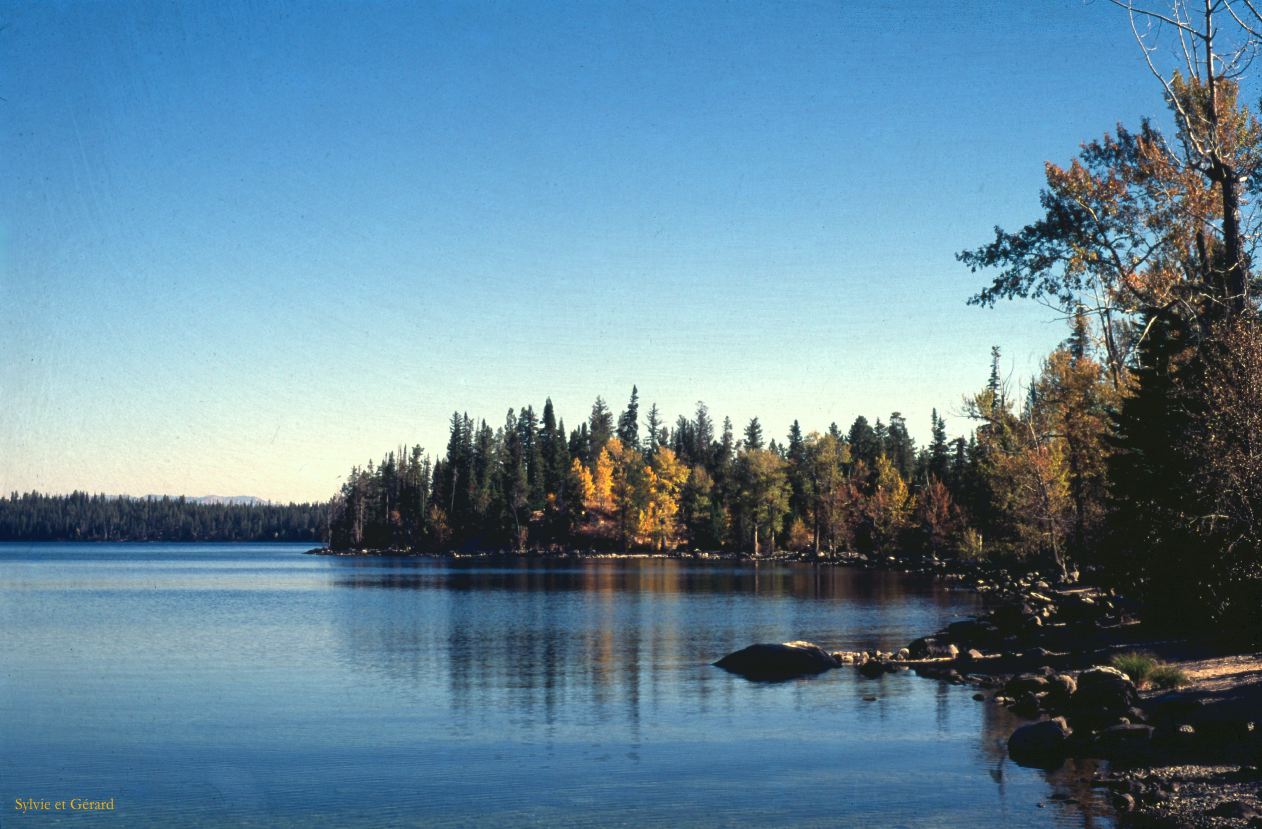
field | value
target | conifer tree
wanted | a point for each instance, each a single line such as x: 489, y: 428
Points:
x: 801, y: 483
x: 701, y: 434
x: 599, y: 427
x: 939, y: 453
x: 900, y: 448
x: 753, y: 434
x: 655, y: 429
x: 629, y: 422
x: 864, y: 444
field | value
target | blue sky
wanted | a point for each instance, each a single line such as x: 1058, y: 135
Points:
x: 244, y: 246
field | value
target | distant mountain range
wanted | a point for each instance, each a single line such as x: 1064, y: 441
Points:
x: 248, y: 500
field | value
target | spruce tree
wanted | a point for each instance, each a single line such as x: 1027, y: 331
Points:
x: 900, y: 448
x: 1151, y: 538
x: 654, y: 424
x: 864, y: 445
x: 1079, y: 342
x: 702, y: 434
x: 599, y: 428
x: 753, y: 434
x: 629, y: 422
x: 939, y: 452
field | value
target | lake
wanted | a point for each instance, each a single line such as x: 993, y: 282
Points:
x: 252, y: 685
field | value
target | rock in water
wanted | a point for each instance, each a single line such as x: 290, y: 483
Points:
x: 784, y: 661
x: 1040, y: 744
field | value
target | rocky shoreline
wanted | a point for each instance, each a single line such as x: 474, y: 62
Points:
x: 837, y: 559
x: 1187, y: 757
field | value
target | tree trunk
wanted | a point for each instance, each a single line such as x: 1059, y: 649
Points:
x: 1235, y: 281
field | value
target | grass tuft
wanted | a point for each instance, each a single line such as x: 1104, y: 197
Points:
x: 1166, y: 677
x: 1137, y: 665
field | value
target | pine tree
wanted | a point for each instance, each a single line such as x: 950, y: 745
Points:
x: 599, y: 428
x: 702, y: 434
x: 1079, y: 342
x: 753, y: 434
x: 801, y: 482
x: 654, y: 424
x: 994, y: 385
x: 864, y: 445
x: 581, y: 445
x: 900, y: 447
x: 549, y: 437
x: 629, y: 422
x: 939, y: 452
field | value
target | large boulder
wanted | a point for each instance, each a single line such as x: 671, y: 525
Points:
x: 783, y: 661
x: 1103, y: 696
x: 1040, y: 744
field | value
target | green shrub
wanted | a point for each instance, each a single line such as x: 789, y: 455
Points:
x: 1167, y: 676
x: 1138, y: 666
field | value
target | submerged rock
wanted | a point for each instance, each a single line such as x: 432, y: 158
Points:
x: 783, y: 661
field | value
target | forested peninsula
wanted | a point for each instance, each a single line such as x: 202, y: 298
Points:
x: 1132, y: 454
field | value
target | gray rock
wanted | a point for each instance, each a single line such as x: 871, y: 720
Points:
x: 1123, y: 742
x: 973, y: 633
x: 1028, y: 705
x: 1062, y: 686
x: 872, y: 669
x: 1103, y: 695
x: 1040, y: 744
x: 783, y: 661
x: 1025, y: 684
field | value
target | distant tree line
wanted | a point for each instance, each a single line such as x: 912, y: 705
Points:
x: 83, y: 517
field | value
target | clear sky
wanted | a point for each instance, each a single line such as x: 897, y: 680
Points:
x: 246, y: 245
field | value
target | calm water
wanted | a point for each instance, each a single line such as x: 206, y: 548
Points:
x: 250, y: 685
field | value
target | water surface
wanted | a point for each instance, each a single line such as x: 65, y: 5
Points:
x: 251, y: 685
